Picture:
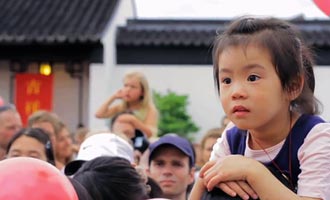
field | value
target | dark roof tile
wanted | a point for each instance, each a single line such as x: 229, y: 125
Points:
x: 54, y: 21
x: 152, y: 32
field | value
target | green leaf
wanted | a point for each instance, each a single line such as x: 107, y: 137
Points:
x: 173, y: 115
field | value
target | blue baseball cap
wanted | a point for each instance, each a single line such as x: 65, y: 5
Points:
x: 178, y: 142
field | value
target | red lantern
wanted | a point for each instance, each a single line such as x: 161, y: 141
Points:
x: 323, y: 5
x: 24, y: 178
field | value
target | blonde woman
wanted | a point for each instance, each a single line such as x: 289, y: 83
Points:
x: 135, y: 97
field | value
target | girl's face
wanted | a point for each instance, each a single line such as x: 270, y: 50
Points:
x: 133, y: 89
x: 250, y: 89
x: 26, y: 146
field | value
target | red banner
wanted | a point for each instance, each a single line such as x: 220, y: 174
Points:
x: 33, y: 92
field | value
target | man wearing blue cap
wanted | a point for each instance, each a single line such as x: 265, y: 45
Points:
x: 171, y: 165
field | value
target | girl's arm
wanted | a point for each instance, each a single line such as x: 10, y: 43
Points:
x: 104, y: 111
x: 150, y: 125
x: 269, y: 187
x: 197, y: 190
x: 236, y: 167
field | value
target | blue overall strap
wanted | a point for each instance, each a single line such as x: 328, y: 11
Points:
x: 298, y: 134
x: 237, y: 139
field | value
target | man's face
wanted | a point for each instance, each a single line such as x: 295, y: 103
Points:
x: 170, y: 169
x: 10, y: 123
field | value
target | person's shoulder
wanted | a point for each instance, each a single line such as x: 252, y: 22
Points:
x: 149, y: 109
x: 153, y: 108
x: 318, y: 133
x: 322, y: 127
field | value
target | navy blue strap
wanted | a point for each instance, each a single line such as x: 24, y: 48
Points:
x: 237, y: 139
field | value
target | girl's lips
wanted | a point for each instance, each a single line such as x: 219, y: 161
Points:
x: 240, y: 109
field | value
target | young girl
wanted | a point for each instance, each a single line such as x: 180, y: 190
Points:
x: 136, y: 97
x: 264, y: 76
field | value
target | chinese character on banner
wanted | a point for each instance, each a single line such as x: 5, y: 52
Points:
x: 33, y: 92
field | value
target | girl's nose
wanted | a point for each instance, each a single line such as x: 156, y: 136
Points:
x: 238, y: 91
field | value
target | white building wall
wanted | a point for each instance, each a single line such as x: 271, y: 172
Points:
x: 66, y: 96
x: 101, y: 75
x: 322, y: 89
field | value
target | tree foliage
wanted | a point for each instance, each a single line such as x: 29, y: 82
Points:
x: 174, y: 117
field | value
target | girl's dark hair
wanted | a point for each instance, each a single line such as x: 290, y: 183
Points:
x: 155, y: 189
x: 81, y: 191
x: 111, y: 178
x: 38, y: 134
x: 291, y: 58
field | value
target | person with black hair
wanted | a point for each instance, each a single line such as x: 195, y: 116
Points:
x: 31, y: 142
x: 81, y: 191
x: 111, y: 178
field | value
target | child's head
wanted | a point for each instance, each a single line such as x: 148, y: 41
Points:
x: 288, y: 54
x: 145, y: 97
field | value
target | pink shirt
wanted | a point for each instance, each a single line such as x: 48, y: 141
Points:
x: 313, y: 155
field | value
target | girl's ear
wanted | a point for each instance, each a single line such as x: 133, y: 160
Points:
x: 296, y: 88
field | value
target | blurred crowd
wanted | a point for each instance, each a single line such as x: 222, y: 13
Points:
x: 126, y: 161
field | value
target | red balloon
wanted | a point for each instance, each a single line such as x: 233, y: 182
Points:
x: 323, y: 5
x: 24, y: 178
x: 1, y: 101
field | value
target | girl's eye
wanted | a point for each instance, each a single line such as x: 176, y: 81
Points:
x: 226, y: 80
x: 253, y: 78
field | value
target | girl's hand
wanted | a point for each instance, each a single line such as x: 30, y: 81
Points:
x: 120, y: 94
x: 229, y: 174
x: 240, y: 188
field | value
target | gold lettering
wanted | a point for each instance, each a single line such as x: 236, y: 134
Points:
x: 31, y: 107
x: 33, y: 87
